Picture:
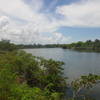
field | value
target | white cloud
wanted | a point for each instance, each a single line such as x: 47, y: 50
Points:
x: 16, y: 8
x: 59, y: 38
x: 84, y: 13
x: 36, y: 23
x: 3, y: 21
x: 24, y: 23
x: 28, y: 34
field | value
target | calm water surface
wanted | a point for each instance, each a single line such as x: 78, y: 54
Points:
x: 76, y: 63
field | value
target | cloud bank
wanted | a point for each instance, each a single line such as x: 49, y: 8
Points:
x: 24, y: 21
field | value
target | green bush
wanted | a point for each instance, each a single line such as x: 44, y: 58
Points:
x: 25, y: 77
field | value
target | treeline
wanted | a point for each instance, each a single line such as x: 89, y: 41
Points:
x: 88, y: 45
x: 40, y: 46
x: 5, y: 45
x: 26, y: 77
x: 8, y: 46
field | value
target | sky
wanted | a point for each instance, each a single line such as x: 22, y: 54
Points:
x: 49, y: 21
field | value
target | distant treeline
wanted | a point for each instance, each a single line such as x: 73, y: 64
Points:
x: 40, y: 46
x: 88, y: 45
x: 6, y: 45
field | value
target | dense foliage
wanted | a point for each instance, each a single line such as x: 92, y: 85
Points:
x: 5, y: 45
x: 25, y: 77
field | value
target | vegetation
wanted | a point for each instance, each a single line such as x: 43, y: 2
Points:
x: 88, y: 45
x: 82, y: 46
x: 5, y: 45
x: 40, y: 46
x: 26, y: 77
x: 84, y: 82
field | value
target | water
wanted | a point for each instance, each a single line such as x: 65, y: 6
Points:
x: 76, y: 63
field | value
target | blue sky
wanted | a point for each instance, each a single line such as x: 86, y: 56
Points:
x: 49, y: 3
x: 80, y: 33
x: 49, y: 21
